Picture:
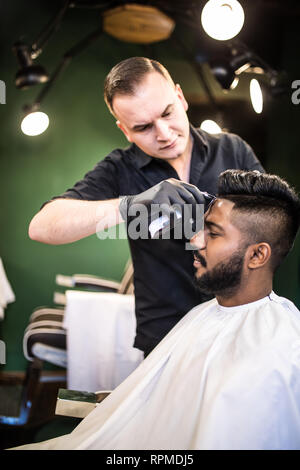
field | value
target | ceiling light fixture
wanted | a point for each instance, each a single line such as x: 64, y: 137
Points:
x: 227, y: 71
x: 210, y: 126
x: 28, y: 74
x: 140, y: 24
x: 222, y: 19
x: 241, y: 59
x: 34, y: 123
x: 225, y: 75
x: 256, y: 96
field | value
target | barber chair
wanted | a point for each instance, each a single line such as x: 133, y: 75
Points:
x: 45, y: 341
x: 45, y: 337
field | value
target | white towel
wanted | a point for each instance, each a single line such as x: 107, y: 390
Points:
x: 100, y: 334
x: 6, y: 293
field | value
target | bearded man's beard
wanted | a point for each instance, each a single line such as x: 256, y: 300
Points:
x: 225, y: 278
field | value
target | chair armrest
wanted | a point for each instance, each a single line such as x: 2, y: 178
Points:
x: 78, y: 404
x: 86, y: 280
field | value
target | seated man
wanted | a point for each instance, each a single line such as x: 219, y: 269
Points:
x: 227, y: 376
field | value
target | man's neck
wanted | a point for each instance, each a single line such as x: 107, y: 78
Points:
x: 245, y: 295
x: 182, y: 163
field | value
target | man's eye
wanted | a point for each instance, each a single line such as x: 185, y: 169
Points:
x: 213, y: 235
x: 145, y: 128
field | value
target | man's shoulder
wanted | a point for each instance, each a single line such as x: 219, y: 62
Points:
x: 117, y: 160
x: 219, y: 138
x: 126, y: 157
x: 279, y: 322
x: 229, y: 148
x: 118, y: 154
x: 285, y: 304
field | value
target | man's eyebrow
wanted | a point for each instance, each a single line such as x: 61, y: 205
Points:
x: 137, y: 127
x: 167, y: 109
x: 211, y: 224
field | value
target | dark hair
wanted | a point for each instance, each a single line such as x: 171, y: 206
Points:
x: 127, y: 75
x: 270, y: 205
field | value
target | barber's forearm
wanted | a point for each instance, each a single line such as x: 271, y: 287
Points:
x: 68, y: 220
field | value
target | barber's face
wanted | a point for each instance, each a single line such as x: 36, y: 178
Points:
x: 154, y: 118
x: 219, y: 258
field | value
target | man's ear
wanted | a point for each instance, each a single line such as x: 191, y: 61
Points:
x: 120, y: 126
x: 258, y: 255
x: 180, y: 95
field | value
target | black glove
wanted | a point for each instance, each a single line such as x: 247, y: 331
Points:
x: 169, y: 198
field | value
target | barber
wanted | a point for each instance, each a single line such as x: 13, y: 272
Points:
x: 151, y: 111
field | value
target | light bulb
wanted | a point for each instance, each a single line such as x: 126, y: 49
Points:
x: 256, y: 96
x: 35, y: 123
x: 221, y: 19
x: 211, y: 127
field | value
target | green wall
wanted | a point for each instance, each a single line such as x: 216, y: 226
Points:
x: 81, y: 133
x: 283, y: 152
x: 33, y: 169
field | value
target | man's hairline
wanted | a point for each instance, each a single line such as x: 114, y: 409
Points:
x: 243, y: 228
x: 170, y: 80
x: 233, y: 216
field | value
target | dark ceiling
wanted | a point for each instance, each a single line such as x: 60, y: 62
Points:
x: 264, y: 30
x: 265, y: 20
x: 267, y: 23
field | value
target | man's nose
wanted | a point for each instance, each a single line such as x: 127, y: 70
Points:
x: 198, y: 240
x: 163, y: 131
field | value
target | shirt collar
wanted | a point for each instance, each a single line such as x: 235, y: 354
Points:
x: 142, y: 159
x: 254, y: 304
x: 200, y: 137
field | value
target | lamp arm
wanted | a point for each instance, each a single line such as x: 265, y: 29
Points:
x: 66, y: 59
x: 49, y: 30
x: 236, y: 47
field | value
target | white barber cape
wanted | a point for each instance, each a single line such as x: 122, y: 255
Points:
x: 223, y: 378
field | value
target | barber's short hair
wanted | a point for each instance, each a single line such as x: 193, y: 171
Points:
x: 127, y: 75
x: 266, y: 209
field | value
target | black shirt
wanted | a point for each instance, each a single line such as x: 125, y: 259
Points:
x: 163, y: 269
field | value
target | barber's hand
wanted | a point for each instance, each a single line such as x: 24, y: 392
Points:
x: 170, y: 195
